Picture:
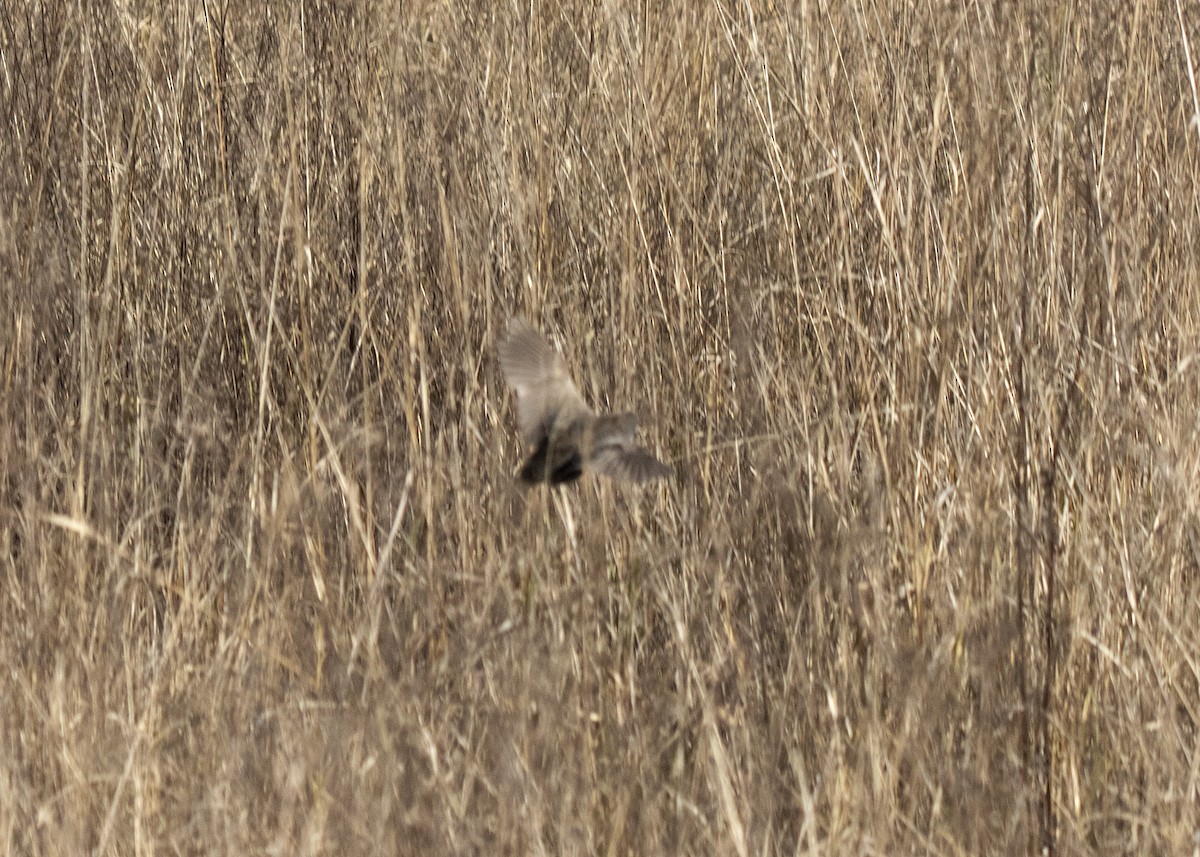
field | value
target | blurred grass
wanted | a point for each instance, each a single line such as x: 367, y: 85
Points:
x: 907, y: 293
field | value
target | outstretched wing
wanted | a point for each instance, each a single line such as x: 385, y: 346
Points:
x: 622, y: 461
x: 616, y: 455
x: 535, y: 369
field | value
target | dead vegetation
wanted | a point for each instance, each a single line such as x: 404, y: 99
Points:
x: 906, y: 293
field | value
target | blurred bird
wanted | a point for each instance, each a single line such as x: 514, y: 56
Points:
x: 565, y: 434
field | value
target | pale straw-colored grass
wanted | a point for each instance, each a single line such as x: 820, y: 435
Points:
x: 905, y: 293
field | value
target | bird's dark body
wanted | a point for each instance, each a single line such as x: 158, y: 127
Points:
x: 555, y: 468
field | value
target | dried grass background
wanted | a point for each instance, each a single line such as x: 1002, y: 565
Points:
x: 907, y: 292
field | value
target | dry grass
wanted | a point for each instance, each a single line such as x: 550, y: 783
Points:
x: 908, y: 292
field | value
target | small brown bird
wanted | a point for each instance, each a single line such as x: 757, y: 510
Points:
x: 565, y: 434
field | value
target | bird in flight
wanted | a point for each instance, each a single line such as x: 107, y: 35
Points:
x: 566, y: 436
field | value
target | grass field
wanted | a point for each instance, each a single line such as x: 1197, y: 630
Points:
x: 908, y: 294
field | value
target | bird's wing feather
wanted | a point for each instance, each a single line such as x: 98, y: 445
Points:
x: 534, y: 368
x: 622, y: 461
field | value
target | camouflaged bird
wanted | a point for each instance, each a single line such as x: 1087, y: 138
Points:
x: 567, y: 437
